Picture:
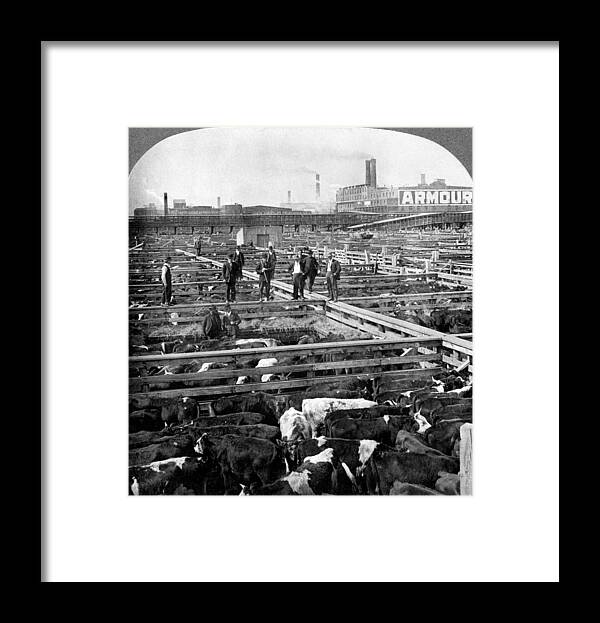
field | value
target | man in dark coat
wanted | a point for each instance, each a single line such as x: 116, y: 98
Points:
x: 265, y: 269
x: 198, y: 246
x: 238, y: 261
x: 231, y: 321
x: 332, y: 275
x: 311, y: 268
x: 165, y: 277
x: 229, y: 277
x: 211, y: 324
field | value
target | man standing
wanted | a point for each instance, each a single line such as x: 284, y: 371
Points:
x: 334, y: 268
x: 229, y: 277
x: 272, y: 254
x: 165, y: 277
x: 264, y: 270
x: 238, y: 261
x: 211, y: 324
x: 311, y: 268
x: 198, y: 246
x: 298, y: 277
x: 231, y: 321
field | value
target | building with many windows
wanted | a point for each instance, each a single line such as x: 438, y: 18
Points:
x: 372, y: 199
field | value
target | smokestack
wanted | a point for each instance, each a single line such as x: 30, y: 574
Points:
x: 318, y: 186
x: 367, y: 173
x: 423, y: 182
x: 289, y: 196
x: 166, y: 205
x: 218, y: 202
x: 373, y: 172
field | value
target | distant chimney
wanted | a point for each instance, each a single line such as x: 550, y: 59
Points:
x: 166, y: 204
x: 370, y: 172
x: 423, y: 182
x: 289, y: 196
x: 218, y: 202
x: 318, y: 186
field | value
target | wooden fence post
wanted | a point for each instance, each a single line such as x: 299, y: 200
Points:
x: 466, y: 460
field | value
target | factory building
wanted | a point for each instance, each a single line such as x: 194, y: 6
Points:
x: 436, y: 196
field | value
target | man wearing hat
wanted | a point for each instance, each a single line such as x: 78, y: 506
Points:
x: 231, y: 321
x: 198, y: 246
x: 311, y: 268
x: 229, y: 277
x: 332, y: 275
x: 165, y: 277
x: 211, y: 324
x: 238, y: 261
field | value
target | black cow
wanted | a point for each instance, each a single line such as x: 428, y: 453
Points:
x: 448, y: 484
x: 414, y: 442
x: 261, y: 431
x: 181, y: 411
x: 444, y: 436
x: 171, y: 477
x: 145, y: 419
x: 381, y: 429
x: 242, y: 460
x: 230, y: 419
x: 368, y: 413
x: 384, y: 467
x: 167, y: 448
x: 257, y: 402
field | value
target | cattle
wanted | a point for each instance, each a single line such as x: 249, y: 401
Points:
x: 307, y: 339
x: 463, y: 392
x: 451, y: 412
x: 444, y: 436
x: 242, y: 460
x: 167, y: 448
x: 258, y: 402
x: 383, y: 429
x: 408, y: 488
x: 186, y: 348
x: 315, y: 476
x: 413, y: 442
x: 315, y: 409
x: 168, y: 347
x: 294, y: 426
x: 369, y: 413
x: 384, y: 467
x: 448, y: 484
x: 349, y: 455
x: 434, y: 400
x: 261, y: 431
x: 449, y: 383
x: 231, y: 419
x: 267, y: 363
x: 181, y: 411
x: 167, y: 477
x: 145, y: 419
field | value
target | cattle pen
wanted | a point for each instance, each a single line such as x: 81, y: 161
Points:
x: 399, y: 329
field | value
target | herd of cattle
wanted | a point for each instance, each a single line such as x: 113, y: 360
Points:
x: 340, y: 438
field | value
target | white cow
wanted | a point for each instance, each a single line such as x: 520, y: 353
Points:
x: 293, y: 425
x: 315, y: 409
x: 266, y: 363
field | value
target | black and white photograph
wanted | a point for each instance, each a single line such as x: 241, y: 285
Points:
x: 300, y: 311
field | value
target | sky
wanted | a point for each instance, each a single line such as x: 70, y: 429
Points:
x: 255, y: 166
